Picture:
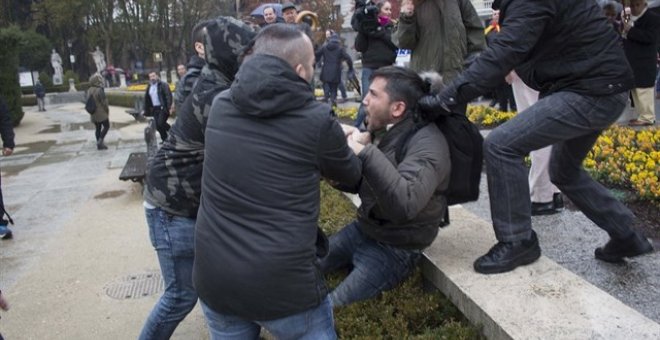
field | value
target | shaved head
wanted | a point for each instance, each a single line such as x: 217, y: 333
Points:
x: 286, y: 42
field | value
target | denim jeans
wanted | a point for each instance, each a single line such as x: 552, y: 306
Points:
x: 362, y: 113
x: 173, y: 238
x: 312, y: 324
x: 376, y: 267
x: 571, y: 123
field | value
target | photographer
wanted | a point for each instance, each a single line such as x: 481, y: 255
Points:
x: 374, y: 42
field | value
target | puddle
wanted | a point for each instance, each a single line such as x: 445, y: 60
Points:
x: 41, y: 146
x: 110, y: 194
x: 10, y: 171
x: 79, y: 126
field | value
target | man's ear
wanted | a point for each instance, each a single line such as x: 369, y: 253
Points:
x: 300, y: 70
x: 398, y: 109
x: 199, y: 48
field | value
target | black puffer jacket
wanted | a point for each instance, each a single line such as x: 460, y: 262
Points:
x: 268, y: 143
x: 554, y: 45
x: 377, y: 47
x: 174, y: 175
x: 641, y: 47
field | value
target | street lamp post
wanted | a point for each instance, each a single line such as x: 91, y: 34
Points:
x: 158, y: 57
x: 72, y: 58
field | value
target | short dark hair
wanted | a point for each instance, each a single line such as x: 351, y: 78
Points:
x: 282, y: 41
x: 403, y: 84
x: 198, y: 31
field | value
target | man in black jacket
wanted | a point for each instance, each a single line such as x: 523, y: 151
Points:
x: 173, y: 183
x: 7, y: 134
x: 257, y: 243
x: 402, y: 203
x: 640, y: 42
x: 568, y: 52
x: 157, y: 103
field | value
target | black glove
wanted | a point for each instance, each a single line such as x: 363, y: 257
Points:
x: 445, y: 101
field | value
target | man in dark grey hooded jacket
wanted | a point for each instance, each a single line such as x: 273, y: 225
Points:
x: 173, y: 180
x: 257, y: 242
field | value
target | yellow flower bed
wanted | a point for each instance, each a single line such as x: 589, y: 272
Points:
x: 621, y: 156
x: 143, y: 87
x: 487, y: 116
x: 346, y: 112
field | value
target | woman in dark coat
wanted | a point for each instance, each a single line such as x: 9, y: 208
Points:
x: 100, y: 117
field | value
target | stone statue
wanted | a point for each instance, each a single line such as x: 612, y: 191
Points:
x: 99, y: 59
x: 56, y: 62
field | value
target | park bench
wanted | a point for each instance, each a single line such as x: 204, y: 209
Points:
x: 136, y: 166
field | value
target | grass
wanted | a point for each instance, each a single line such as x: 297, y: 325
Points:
x: 406, y: 312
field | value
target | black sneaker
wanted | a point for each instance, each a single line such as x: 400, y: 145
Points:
x: 549, y: 208
x: 616, y: 249
x: 7, y: 236
x: 506, y: 256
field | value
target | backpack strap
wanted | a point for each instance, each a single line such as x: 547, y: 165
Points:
x: 400, y: 151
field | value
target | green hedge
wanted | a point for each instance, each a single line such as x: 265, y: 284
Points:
x: 10, y: 90
x: 124, y: 99
x: 29, y: 100
x: 56, y: 88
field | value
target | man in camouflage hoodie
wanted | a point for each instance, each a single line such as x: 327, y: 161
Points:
x: 173, y: 180
x: 194, y: 67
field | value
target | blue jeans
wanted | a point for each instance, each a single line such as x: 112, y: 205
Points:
x: 312, y: 324
x: 173, y: 238
x: 366, y: 81
x: 571, y: 123
x: 4, y: 229
x: 376, y: 268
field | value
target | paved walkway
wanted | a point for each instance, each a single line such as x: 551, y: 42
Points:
x: 81, y: 261
x: 80, y: 233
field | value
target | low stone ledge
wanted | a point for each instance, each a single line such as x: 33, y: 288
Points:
x: 539, y: 301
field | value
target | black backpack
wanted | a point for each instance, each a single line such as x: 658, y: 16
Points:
x: 466, y: 152
x: 90, y: 104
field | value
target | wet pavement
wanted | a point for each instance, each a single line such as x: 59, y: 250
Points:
x: 79, y: 232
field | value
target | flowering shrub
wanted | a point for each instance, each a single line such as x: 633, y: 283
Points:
x: 487, y: 116
x: 346, y: 112
x: 143, y: 87
x: 629, y: 158
x: 621, y: 156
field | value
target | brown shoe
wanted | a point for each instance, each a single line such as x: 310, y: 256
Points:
x: 637, y: 122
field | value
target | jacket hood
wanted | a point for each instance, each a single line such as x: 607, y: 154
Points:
x: 267, y: 86
x: 96, y: 80
x: 195, y: 62
x: 225, y: 40
x: 333, y: 43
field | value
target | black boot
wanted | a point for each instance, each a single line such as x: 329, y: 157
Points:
x: 506, y: 256
x: 616, y: 249
x: 100, y: 145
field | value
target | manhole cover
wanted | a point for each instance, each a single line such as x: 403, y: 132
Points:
x: 135, y: 286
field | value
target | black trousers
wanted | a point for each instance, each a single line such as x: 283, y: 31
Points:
x: 160, y: 116
x: 102, y: 129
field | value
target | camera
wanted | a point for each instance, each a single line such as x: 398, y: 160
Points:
x: 365, y: 18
